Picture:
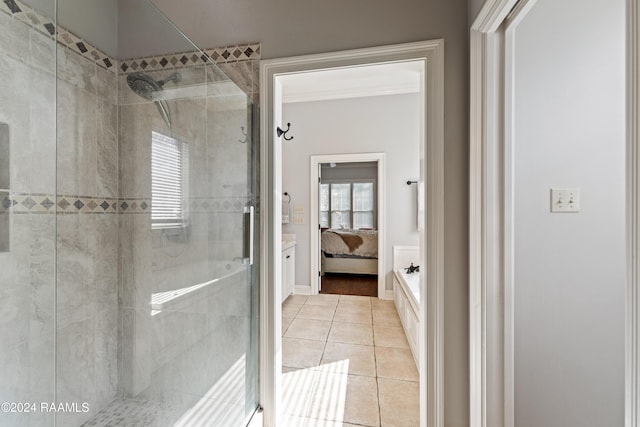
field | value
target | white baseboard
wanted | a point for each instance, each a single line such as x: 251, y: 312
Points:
x: 388, y: 294
x: 302, y: 290
x: 306, y: 290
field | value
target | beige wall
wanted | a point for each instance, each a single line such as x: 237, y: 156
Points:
x: 474, y: 9
x: 290, y: 28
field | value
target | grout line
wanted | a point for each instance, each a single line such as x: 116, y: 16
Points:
x: 375, y: 362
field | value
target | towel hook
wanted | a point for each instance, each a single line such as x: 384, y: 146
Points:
x: 244, y: 134
x: 288, y: 195
x: 284, y: 132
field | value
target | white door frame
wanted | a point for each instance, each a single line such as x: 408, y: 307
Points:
x: 490, y: 296
x: 432, y: 237
x: 632, y: 318
x: 315, y: 162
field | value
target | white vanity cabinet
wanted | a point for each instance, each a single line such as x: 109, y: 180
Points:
x: 288, y: 269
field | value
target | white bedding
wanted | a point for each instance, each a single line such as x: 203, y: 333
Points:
x: 362, y: 243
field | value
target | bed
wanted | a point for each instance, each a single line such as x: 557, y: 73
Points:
x: 349, y: 251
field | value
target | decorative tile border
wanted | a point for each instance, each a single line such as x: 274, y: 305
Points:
x: 45, y: 25
x: 134, y: 206
x: 86, y: 49
x: 24, y: 13
x: 217, y: 205
x: 221, y: 55
x: 23, y: 203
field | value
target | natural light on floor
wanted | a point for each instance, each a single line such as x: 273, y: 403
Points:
x: 226, y: 396
x: 318, y: 393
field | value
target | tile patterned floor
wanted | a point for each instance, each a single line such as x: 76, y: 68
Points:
x: 134, y: 413
x: 346, y: 362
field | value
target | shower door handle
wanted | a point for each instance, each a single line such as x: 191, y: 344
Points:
x: 247, y: 247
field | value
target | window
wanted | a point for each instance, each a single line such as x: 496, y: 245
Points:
x: 169, y: 168
x: 347, y: 205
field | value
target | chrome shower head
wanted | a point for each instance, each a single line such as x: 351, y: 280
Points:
x: 151, y: 90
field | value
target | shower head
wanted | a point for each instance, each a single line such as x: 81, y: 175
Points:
x: 151, y: 90
x: 147, y: 87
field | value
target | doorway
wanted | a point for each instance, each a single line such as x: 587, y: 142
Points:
x: 514, y: 221
x: 430, y: 189
x: 348, y: 204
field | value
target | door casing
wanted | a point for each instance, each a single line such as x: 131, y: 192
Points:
x: 432, y: 237
x: 315, y: 162
x: 490, y: 291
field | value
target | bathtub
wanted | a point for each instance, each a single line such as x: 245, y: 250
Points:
x: 406, y: 296
x: 412, y: 283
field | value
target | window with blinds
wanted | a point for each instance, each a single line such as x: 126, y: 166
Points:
x: 169, y: 171
x: 347, y: 205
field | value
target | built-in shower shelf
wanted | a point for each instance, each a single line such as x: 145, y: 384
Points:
x: 162, y: 301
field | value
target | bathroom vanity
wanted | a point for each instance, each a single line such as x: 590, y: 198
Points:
x: 288, y: 265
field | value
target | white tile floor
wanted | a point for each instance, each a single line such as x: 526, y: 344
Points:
x: 346, y: 362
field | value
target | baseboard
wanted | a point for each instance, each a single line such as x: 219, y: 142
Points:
x: 302, y: 290
x: 388, y: 295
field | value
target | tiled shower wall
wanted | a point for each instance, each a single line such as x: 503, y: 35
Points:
x: 27, y: 269
x: 109, y: 261
x: 87, y: 304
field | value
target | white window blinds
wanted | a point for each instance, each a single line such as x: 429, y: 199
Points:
x: 169, y: 167
x: 362, y: 205
x: 347, y: 205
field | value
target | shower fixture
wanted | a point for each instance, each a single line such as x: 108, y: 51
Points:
x: 151, y: 89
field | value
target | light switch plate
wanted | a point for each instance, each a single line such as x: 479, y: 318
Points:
x: 298, y: 220
x: 565, y: 200
x: 298, y: 209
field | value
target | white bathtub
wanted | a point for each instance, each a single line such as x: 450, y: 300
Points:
x: 412, y: 282
x: 406, y: 295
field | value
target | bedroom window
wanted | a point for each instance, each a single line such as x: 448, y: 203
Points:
x: 347, y: 205
x: 169, y: 169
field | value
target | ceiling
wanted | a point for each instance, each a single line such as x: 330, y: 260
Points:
x: 353, y: 82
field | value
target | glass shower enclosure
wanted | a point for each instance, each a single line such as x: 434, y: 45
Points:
x: 128, y: 201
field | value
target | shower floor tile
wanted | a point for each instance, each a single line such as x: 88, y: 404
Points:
x: 131, y: 413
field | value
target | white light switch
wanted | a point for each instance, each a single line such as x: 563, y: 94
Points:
x: 298, y: 209
x: 298, y: 220
x: 565, y: 200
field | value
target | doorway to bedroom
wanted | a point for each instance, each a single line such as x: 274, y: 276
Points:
x: 312, y: 352
x: 347, y: 208
x: 356, y: 140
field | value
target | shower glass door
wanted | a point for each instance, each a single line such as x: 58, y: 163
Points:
x: 156, y: 160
